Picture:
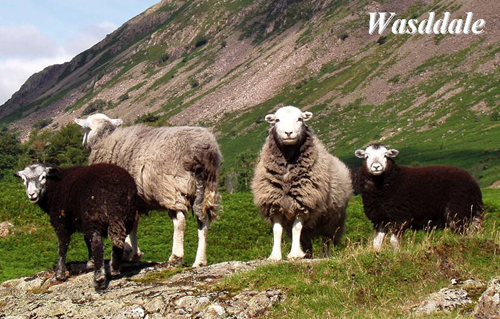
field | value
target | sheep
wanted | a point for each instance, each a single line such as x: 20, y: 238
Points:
x: 175, y: 169
x: 299, y: 186
x: 97, y: 200
x: 397, y: 197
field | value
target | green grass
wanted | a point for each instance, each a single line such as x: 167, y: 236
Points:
x: 354, y: 282
x: 359, y: 283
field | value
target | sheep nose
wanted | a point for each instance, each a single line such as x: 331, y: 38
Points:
x: 376, y: 166
x: 289, y: 133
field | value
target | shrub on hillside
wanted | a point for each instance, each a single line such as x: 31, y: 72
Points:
x: 147, y: 118
x: 42, y: 123
x: 123, y: 97
x: 94, y: 106
x: 10, y: 151
x: 201, y: 40
x: 65, y: 148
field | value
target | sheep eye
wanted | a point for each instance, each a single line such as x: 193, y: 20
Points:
x: 276, y: 120
x: 300, y: 119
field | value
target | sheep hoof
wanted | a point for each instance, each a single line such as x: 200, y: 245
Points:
x: 114, y: 273
x: 60, y: 276
x: 132, y: 258
x: 296, y: 256
x: 199, y: 264
x: 90, y: 265
x: 175, y: 261
x: 274, y: 258
x: 100, y: 282
x: 100, y: 285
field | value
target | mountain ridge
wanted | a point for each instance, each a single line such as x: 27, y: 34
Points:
x: 225, y: 64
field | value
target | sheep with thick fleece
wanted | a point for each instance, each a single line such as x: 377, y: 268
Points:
x: 175, y: 169
x: 299, y: 186
x: 397, y: 197
x: 97, y: 200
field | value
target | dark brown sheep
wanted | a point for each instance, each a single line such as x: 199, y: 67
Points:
x: 397, y: 197
x: 97, y: 200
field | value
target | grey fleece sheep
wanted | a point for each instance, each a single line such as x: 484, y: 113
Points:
x: 175, y: 168
x: 299, y: 186
x: 96, y: 200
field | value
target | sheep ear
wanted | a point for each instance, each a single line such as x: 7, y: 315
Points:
x: 392, y: 153
x: 53, y: 171
x: 306, y: 116
x: 18, y: 174
x: 116, y: 122
x: 271, y: 118
x: 81, y: 122
x: 360, y: 154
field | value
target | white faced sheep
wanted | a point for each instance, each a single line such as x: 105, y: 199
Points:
x: 97, y: 200
x: 175, y: 169
x: 299, y: 186
x: 397, y: 197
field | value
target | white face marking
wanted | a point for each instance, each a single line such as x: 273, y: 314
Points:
x: 34, y: 179
x: 289, y: 123
x: 376, y: 158
x: 93, y: 123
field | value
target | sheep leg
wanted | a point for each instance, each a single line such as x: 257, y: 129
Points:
x: 98, y: 254
x: 116, y: 257
x: 63, y: 249
x: 306, y: 242
x: 277, y: 233
x: 296, y: 251
x: 396, y: 241
x: 132, y: 252
x: 379, y: 240
x: 90, y: 262
x: 326, y: 246
x: 201, y: 253
x: 177, y: 257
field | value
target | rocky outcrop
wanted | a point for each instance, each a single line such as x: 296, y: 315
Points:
x: 470, y: 297
x: 143, y: 291
x: 6, y: 228
x: 447, y: 299
x: 488, y: 305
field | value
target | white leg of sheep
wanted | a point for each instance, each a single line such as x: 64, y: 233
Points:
x: 378, y: 241
x: 296, y: 251
x: 201, y: 253
x: 277, y: 232
x: 395, y: 241
x: 131, y: 251
x: 177, y: 256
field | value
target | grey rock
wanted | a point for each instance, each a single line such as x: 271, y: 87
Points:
x: 186, y: 294
x: 447, y: 299
x: 488, y: 305
x: 6, y: 228
x: 214, y: 311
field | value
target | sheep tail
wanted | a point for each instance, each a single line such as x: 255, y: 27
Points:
x: 207, y: 195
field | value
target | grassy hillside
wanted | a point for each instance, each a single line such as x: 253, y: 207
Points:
x: 355, y: 282
x: 435, y: 98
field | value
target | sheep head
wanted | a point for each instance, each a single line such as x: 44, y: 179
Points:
x: 288, y: 123
x: 375, y: 157
x: 35, y: 180
x: 96, y: 126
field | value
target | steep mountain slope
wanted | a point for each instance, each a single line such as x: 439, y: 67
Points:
x: 225, y: 64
